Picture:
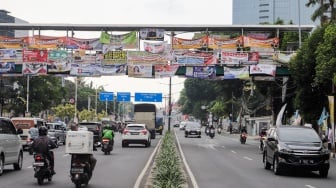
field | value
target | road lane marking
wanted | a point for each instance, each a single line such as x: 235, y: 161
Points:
x: 247, y: 158
x: 30, y: 166
x: 233, y: 152
x: 65, y: 155
x: 310, y: 186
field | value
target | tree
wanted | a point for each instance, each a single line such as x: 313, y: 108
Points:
x: 326, y: 7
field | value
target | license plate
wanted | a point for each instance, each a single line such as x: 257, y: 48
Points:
x: 307, y: 161
x: 134, y: 133
x: 77, y: 170
x: 38, y: 164
x: 192, y: 133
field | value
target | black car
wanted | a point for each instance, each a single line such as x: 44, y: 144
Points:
x: 295, y: 147
x: 192, y: 129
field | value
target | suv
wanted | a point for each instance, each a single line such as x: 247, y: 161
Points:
x: 136, y: 133
x: 58, y: 130
x: 11, y: 151
x: 295, y: 147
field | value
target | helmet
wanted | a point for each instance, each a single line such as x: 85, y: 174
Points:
x: 43, y: 131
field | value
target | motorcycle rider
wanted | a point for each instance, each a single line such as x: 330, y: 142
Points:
x: 262, y: 136
x: 43, y: 145
x: 243, y: 131
x: 108, y: 134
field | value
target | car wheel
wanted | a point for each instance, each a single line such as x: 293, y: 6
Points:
x: 18, y: 165
x: 267, y: 165
x: 1, y: 165
x: 323, y: 173
x: 149, y: 143
x: 276, y: 168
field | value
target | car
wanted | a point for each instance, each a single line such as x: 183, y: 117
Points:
x: 136, y: 133
x: 182, y: 125
x: 11, y: 151
x: 296, y: 148
x: 192, y: 129
x: 176, y: 124
x: 52, y: 135
x: 59, y: 129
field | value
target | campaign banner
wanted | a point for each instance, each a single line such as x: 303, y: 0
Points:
x: 203, y: 72
x: 143, y: 56
x: 140, y: 70
x: 45, y: 42
x: 8, y: 55
x: 115, y: 57
x: 261, y: 43
x: 263, y: 69
x: 155, y: 47
x: 283, y: 57
x: 233, y: 58
x: 253, y: 58
x: 152, y: 34
x: 124, y: 41
x: 180, y: 43
x: 224, y: 43
x: 163, y: 70
x: 59, y: 62
x: 35, y: 68
x: 10, y: 42
x: 113, y: 69
x: 7, y: 68
x: 236, y: 73
x: 35, y: 55
x: 85, y: 70
x: 190, y: 57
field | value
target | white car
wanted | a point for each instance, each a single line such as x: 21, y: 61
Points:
x: 11, y: 152
x: 136, y: 133
x: 183, y: 125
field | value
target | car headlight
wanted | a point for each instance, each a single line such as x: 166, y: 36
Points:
x: 324, y: 151
x: 284, y: 149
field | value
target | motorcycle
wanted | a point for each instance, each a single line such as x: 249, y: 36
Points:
x: 207, y: 130
x: 243, y: 137
x: 107, y: 147
x: 42, y: 168
x: 219, y: 130
x: 80, y: 170
x: 212, y: 133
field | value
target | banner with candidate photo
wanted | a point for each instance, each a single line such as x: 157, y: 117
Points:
x: 35, y: 56
x: 140, y: 70
x: 34, y: 68
x: 59, y: 62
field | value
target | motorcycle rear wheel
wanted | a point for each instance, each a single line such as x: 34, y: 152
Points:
x: 78, y: 185
x: 40, y: 181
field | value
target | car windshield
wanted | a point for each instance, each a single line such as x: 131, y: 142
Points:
x: 135, y: 128
x: 192, y: 126
x: 298, y: 135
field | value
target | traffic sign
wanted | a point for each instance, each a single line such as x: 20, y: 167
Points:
x: 124, y: 96
x: 148, y: 97
x: 106, y: 96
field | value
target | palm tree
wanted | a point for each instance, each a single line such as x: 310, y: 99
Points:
x: 326, y: 11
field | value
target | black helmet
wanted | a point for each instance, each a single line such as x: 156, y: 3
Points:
x: 43, y: 131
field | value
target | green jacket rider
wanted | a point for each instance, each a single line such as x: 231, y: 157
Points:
x: 108, y: 133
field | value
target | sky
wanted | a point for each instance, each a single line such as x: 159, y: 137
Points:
x: 210, y: 12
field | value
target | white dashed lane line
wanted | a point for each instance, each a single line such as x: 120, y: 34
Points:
x: 309, y: 186
x: 247, y: 158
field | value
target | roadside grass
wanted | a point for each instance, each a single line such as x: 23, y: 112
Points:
x: 168, y: 172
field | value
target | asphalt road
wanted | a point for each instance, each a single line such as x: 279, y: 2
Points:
x: 223, y: 162
x: 118, y: 170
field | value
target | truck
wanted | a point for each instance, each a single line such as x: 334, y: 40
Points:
x: 146, y: 113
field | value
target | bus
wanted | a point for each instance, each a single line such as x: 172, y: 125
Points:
x: 146, y: 113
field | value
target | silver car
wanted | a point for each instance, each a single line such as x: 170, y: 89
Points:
x: 11, y: 151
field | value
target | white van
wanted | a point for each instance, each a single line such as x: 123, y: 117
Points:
x: 25, y: 123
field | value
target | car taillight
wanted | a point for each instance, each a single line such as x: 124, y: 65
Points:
x: 38, y: 158
x: 106, y: 140
x: 125, y: 131
x: 144, y: 132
